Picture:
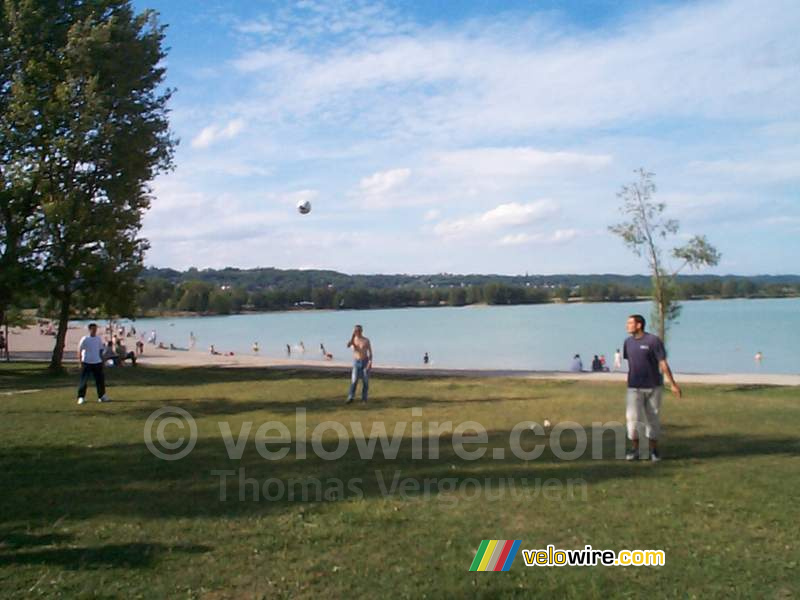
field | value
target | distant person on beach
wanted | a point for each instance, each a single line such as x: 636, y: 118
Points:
x: 647, y: 367
x: 426, y: 359
x: 192, y: 340
x: 139, y: 347
x: 362, y: 364
x: 288, y: 350
x: 109, y: 354
x: 255, y: 347
x: 577, y: 364
x: 214, y: 351
x: 302, y: 347
x: 596, y: 364
x: 124, y: 354
x: 90, y: 353
x: 617, y: 360
x: 758, y: 358
x: 603, y: 365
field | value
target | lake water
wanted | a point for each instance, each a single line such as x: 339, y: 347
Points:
x: 713, y: 336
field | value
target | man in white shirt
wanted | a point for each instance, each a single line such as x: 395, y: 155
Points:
x: 90, y: 352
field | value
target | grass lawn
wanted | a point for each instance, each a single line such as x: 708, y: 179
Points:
x: 86, y: 510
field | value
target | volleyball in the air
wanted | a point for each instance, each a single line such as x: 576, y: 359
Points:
x: 304, y: 207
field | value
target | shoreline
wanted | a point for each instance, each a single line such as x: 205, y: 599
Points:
x: 29, y: 345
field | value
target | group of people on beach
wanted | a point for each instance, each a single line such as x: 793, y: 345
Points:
x: 599, y: 363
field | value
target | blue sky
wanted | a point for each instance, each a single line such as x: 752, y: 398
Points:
x: 476, y: 137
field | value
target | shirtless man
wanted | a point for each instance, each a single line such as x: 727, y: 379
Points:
x: 362, y: 363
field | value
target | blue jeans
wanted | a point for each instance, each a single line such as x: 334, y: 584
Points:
x: 359, y: 371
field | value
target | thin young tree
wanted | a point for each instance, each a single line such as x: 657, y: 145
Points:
x: 646, y: 232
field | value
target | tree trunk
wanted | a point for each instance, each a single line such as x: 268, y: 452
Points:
x: 61, y: 336
x: 4, y: 323
x: 659, y: 299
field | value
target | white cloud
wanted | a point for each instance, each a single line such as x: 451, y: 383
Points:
x: 559, y: 236
x: 212, y: 133
x: 500, y: 217
x: 301, y: 196
x: 520, y: 75
x: 519, y: 161
x: 384, y: 181
x: 763, y: 170
x: 382, y: 189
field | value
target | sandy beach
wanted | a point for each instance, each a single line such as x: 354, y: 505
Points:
x: 29, y: 344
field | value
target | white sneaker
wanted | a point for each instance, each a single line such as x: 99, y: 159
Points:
x: 104, y: 398
x: 81, y: 400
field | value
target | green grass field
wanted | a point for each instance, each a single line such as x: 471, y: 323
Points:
x: 87, y: 511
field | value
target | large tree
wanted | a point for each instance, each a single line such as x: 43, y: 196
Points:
x: 19, y: 179
x: 646, y: 233
x: 87, y: 90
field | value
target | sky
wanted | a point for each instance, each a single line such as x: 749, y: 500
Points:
x: 475, y: 136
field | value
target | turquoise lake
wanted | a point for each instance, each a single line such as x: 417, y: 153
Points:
x: 711, y: 336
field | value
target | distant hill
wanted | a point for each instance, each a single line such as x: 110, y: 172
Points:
x: 271, y: 278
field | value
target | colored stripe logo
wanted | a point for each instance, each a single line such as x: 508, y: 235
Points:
x: 495, y: 555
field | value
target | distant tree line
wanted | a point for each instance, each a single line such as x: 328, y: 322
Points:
x: 159, y: 295
x: 163, y: 296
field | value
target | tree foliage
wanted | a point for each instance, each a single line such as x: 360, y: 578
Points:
x: 85, y: 129
x: 645, y: 232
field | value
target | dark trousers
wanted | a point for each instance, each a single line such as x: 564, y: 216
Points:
x: 96, y: 371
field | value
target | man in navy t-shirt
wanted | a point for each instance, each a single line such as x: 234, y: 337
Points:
x: 647, y: 364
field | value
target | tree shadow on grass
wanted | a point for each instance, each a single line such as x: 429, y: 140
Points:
x: 222, y: 406
x: 126, y: 480
x: 13, y: 377
x: 36, y: 375
x: 27, y: 375
x: 749, y: 387
x: 134, y: 555
x: 22, y: 539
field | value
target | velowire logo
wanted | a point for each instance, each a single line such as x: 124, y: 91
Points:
x: 495, y: 555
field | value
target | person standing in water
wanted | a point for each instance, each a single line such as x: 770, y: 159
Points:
x: 617, y: 360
